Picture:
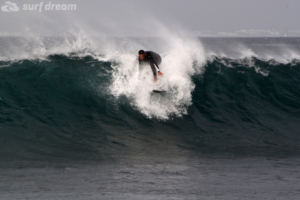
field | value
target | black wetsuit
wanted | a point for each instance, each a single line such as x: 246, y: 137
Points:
x: 153, y: 59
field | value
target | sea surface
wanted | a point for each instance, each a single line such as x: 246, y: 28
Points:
x: 78, y: 119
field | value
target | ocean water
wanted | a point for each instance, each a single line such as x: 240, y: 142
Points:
x: 78, y: 119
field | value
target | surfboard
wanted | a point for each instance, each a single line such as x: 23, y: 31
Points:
x: 159, y: 91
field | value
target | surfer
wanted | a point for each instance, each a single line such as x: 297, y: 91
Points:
x: 153, y: 59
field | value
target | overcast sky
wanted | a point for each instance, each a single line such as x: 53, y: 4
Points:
x: 142, y: 17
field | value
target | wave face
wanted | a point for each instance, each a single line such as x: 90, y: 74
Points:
x: 79, y: 104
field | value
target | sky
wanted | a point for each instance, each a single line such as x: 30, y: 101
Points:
x: 218, y: 18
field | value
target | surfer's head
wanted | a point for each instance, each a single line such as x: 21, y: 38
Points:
x: 142, y: 54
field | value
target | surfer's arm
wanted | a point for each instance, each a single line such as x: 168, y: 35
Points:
x: 154, y: 69
x: 157, y: 69
x: 155, y: 64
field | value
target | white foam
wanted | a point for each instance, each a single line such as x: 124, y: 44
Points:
x: 36, y: 47
x: 281, y: 53
x: 273, y: 54
x: 178, y: 65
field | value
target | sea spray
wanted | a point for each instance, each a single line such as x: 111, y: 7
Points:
x: 178, y: 66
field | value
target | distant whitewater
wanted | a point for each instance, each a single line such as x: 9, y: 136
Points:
x: 88, y: 97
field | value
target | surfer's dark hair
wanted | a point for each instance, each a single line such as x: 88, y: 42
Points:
x: 141, y: 52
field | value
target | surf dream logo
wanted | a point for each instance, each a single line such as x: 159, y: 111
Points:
x: 9, y: 7
x: 12, y: 7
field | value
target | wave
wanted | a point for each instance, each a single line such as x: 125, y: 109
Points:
x: 101, y: 104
